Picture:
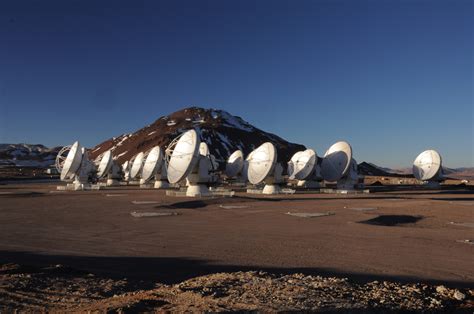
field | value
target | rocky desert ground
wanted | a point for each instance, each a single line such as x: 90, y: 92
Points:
x: 377, y: 252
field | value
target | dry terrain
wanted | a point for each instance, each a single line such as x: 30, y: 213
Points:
x: 387, y: 251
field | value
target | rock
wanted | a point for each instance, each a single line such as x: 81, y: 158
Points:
x: 458, y: 295
x: 434, y: 302
x: 441, y: 289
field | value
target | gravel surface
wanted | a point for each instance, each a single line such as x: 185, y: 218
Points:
x: 60, y: 288
x: 85, y: 251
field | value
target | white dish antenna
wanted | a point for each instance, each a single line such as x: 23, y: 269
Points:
x: 77, y: 166
x: 262, y: 163
x: 235, y: 163
x: 126, y: 167
x: 245, y: 169
x: 136, y: 165
x: 105, y: 164
x: 302, y: 164
x: 61, y: 158
x: 72, y: 162
x: 153, y: 163
x: 336, y: 162
x: 183, y: 155
x: 126, y: 170
x: 292, y: 164
x: 428, y: 166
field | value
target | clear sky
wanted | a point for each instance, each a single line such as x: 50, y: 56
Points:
x: 391, y: 77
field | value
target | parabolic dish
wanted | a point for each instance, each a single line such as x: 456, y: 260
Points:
x: 427, y: 165
x: 125, y: 166
x: 336, y: 161
x: 262, y: 162
x: 292, y: 165
x: 136, y: 165
x: 183, y: 157
x: 105, y: 164
x: 152, y: 163
x: 302, y: 164
x: 245, y: 169
x: 72, y: 162
x: 235, y: 163
x: 203, y: 149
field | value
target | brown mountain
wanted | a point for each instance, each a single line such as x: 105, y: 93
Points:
x: 223, y: 132
x: 369, y: 169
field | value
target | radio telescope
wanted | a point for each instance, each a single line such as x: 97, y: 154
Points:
x: 339, y: 166
x: 136, y: 165
x: 61, y: 157
x: 185, y: 162
x: 235, y: 164
x: 245, y: 168
x: 428, y: 168
x: 154, y: 168
x: 126, y: 170
x: 107, y: 168
x: 304, y: 167
x: 76, y: 166
x: 263, y: 167
x: 205, y: 152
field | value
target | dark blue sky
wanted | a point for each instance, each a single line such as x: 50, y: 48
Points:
x: 391, y: 77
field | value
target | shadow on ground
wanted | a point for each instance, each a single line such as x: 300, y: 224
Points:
x: 392, y: 220
x: 146, y: 271
x: 201, y: 203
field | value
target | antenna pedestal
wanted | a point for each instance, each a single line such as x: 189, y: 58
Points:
x: 272, y: 183
x: 431, y: 184
x: 197, y: 180
x: 161, y: 184
x: 351, y: 180
x: 83, y: 176
x: 80, y: 182
x: 310, y: 184
x: 112, y: 182
x: 114, y: 177
x: 78, y: 186
x: 271, y: 189
x: 194, y: 190
x: 161, y: 179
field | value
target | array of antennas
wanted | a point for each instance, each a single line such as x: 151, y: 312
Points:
x: 188, y: 162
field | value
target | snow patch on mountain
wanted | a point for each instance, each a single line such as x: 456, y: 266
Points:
x: 232, y: 121
x: 27, y: 155
x: 223, y: 132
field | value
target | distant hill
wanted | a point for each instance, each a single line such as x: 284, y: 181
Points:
x: 27, y: 155
x: 464, y: 173
x: 454, y: 173
x: 370, y: 169
x: 223, y: 132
